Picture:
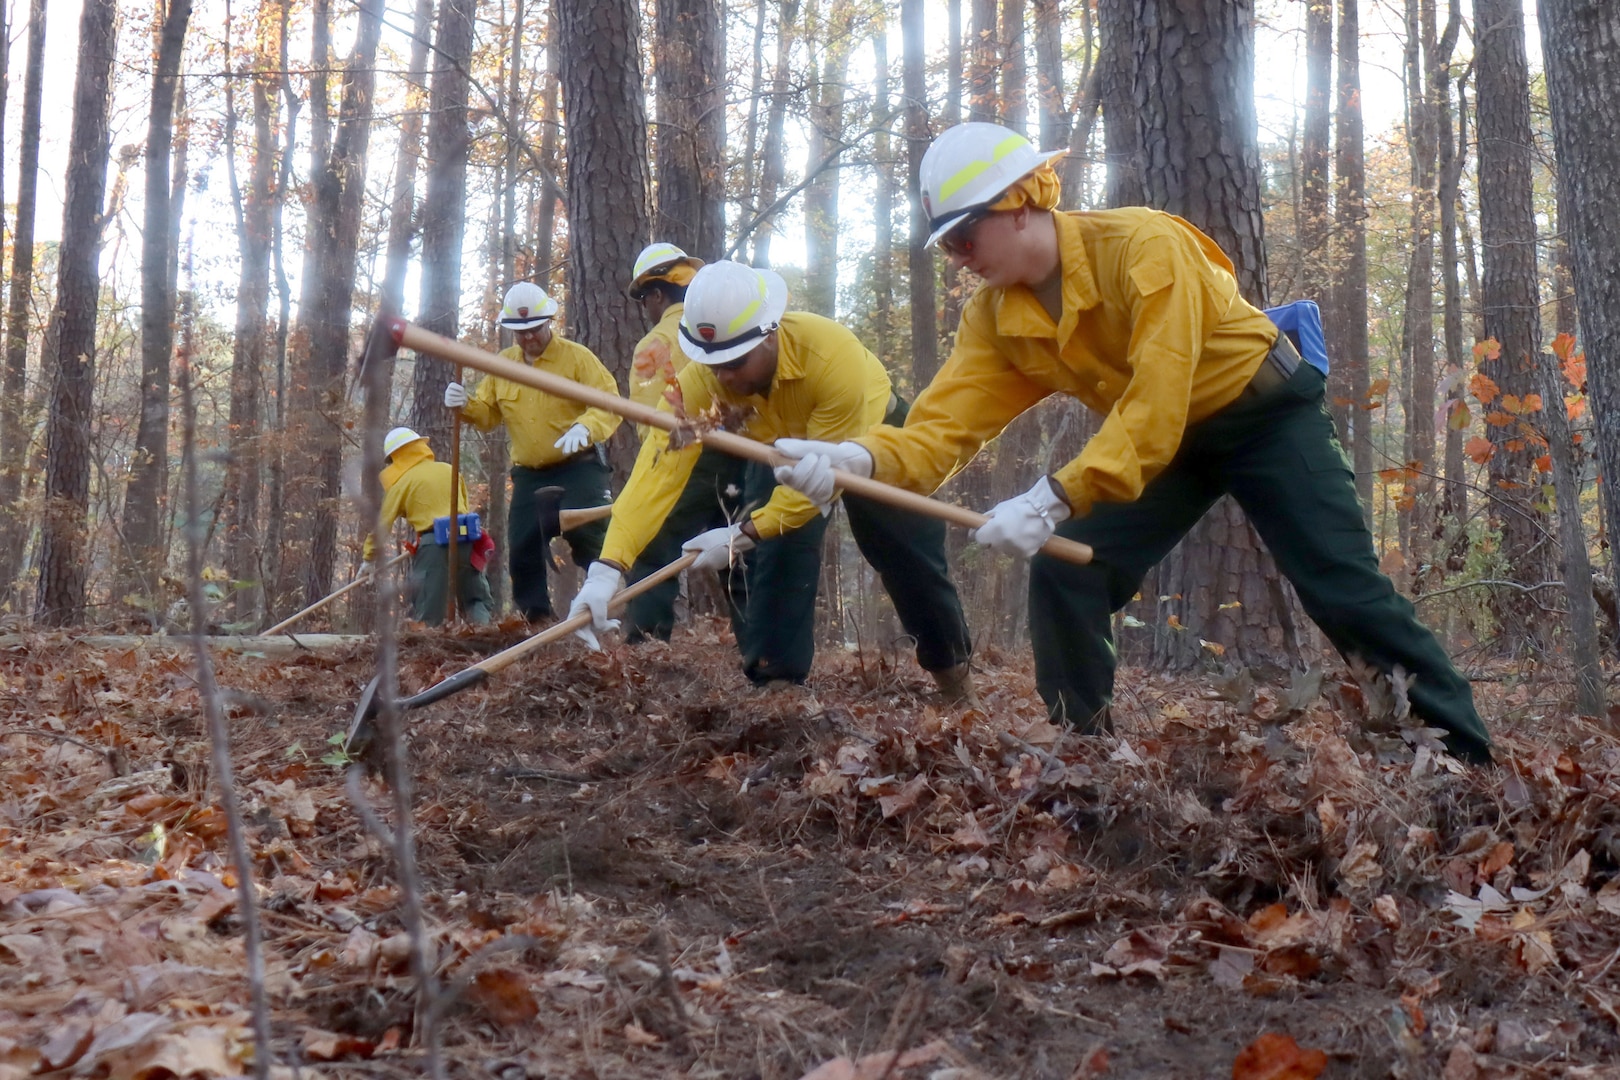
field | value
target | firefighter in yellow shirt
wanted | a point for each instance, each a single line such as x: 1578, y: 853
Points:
x: 555, y: 442
x: 800, y: 375
x: 1137, y: 314
x: 417, y: 488
x: 713, y: 493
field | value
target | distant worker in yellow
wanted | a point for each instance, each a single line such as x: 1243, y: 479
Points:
x: 417, y: 488
x: 713, y: 492
x: 555, y: 442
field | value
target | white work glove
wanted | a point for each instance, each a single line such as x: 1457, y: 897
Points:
x: 812, y: 474
x: 601, y: 582
x: 455, y: 395
x: 367, y: 571
x: 716, y: 548
x: 574, y: 439
x: 1019, y: 526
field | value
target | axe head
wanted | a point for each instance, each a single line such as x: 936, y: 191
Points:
x: 363, y: 728
x: 548, y: 511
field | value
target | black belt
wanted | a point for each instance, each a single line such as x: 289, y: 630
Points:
x: 1276, y: 369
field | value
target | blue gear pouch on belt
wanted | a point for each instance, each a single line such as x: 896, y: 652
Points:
x: 469, y: 532
x: 1302, y: 322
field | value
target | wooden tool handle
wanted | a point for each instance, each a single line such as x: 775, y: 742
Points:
x: 507, y: 657
x: 573, y: 519
x: 317, y: 605
x: 425, y: 341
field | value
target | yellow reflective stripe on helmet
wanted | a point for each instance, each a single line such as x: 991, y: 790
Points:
x: 743, y: 317
x: 968, y: 172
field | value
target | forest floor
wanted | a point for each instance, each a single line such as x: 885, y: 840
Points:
x: 637, y: 866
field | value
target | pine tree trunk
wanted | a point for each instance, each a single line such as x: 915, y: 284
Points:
x: 543, y: 271
x: 1453, y: 157
x: 820, y: 292
x: 1015, y: 68
x: 983, y: 60
x: 444, y: 214
x: 691, y: 130
x: 1579, y: 38
x: 1314, y: 216
x: 1510, y: 299
x: 608, y: 216
x: 919, y: 260
x: 1116, y: 78
x: 771, y: 168
x: 142, y: 562
x: 883, y: 197
x: 64, y: 550
x: 16, y: 423
x: 277, y: 572
x: 1349, y: 380
x: 249, y: 349
x: 402, y: 212
x: 746, y: 202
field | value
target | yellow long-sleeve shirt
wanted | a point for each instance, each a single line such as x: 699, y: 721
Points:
x: 1152, y: 334
x: 535, y: 420
x: 661, y: 344
x: 416, y: 488
x: 827, y: 386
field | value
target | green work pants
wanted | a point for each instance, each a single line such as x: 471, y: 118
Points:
x: 584, y: 480
x: 1277, y: 455
x: 430, y: 584
x: 777, y: 634
x: 712, y: 498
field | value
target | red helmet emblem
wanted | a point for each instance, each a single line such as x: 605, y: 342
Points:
x: 523, y: 312
x: 706, y: 331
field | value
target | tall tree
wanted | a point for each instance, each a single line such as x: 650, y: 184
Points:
x: 983, y: 62
x: 1349, y: 378
x: 444, y: 211
x: 1510, y: 296
x: 1453, y: 156
x: 919, y: 260
x: 15, y: 423
x: 149, y: 466
x: 250, y: 345
x: 1578, y: 38
x: 63, y: 544
x: 608, y: 212
x: 691, y: 73
x: 772, y: 166
x: 326, y: 307
x: 883, y: 197
x: 1193, y: 92
x: 402, y: 210
x: 1116, y: 78
x: 820, y: 292
x: 1313, y: 155
x: 1015, y: 68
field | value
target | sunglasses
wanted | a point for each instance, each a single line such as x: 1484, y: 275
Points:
x: 959, y: 241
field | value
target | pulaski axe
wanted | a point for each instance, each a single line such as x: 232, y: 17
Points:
x: 363, y: 729
x: 554, y: 520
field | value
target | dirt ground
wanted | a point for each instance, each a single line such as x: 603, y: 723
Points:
x: 638, y: 866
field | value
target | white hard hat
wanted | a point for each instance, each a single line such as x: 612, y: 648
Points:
x: 968, y: 167
x: 400, y: 436
x: 729, y: 310
x: 526, y: 306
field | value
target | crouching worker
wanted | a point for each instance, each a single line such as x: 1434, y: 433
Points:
x: 794, y: 374
x: 417, y: 488
x: 1137, y: 315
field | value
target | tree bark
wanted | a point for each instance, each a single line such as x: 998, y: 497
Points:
x: 16, y: 422
x: 983, y: 60
x: 820, y: 292
x: 402, y: 212
x: 64, y: 554
x: 608, y: 213
x: 1510, y: 298
x: 691, y: 73
x: 1015, y: 68
x: 1314, y: 216
x: 1349, y: 380
x: 1579, y: 38
x: 149, y: 466
x: 771, y: 168
x: 883, y: 197
x: 1116, y: 79
x: 444, y: 214
x: 544, y: 263
x: 1453, y: 156
x: 250, y: 347
x: 919, y: 260
x: 750, y: 159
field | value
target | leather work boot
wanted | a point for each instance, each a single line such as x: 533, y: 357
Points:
x: 956, y: 684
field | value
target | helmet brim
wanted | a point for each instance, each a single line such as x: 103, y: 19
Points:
x: 776, y: 292
x: 524, y: 324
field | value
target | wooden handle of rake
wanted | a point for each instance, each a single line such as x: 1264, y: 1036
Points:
x: 317, y: 605
x: 452, y: 600
x: 561, y: 630
x: 425, y: 341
